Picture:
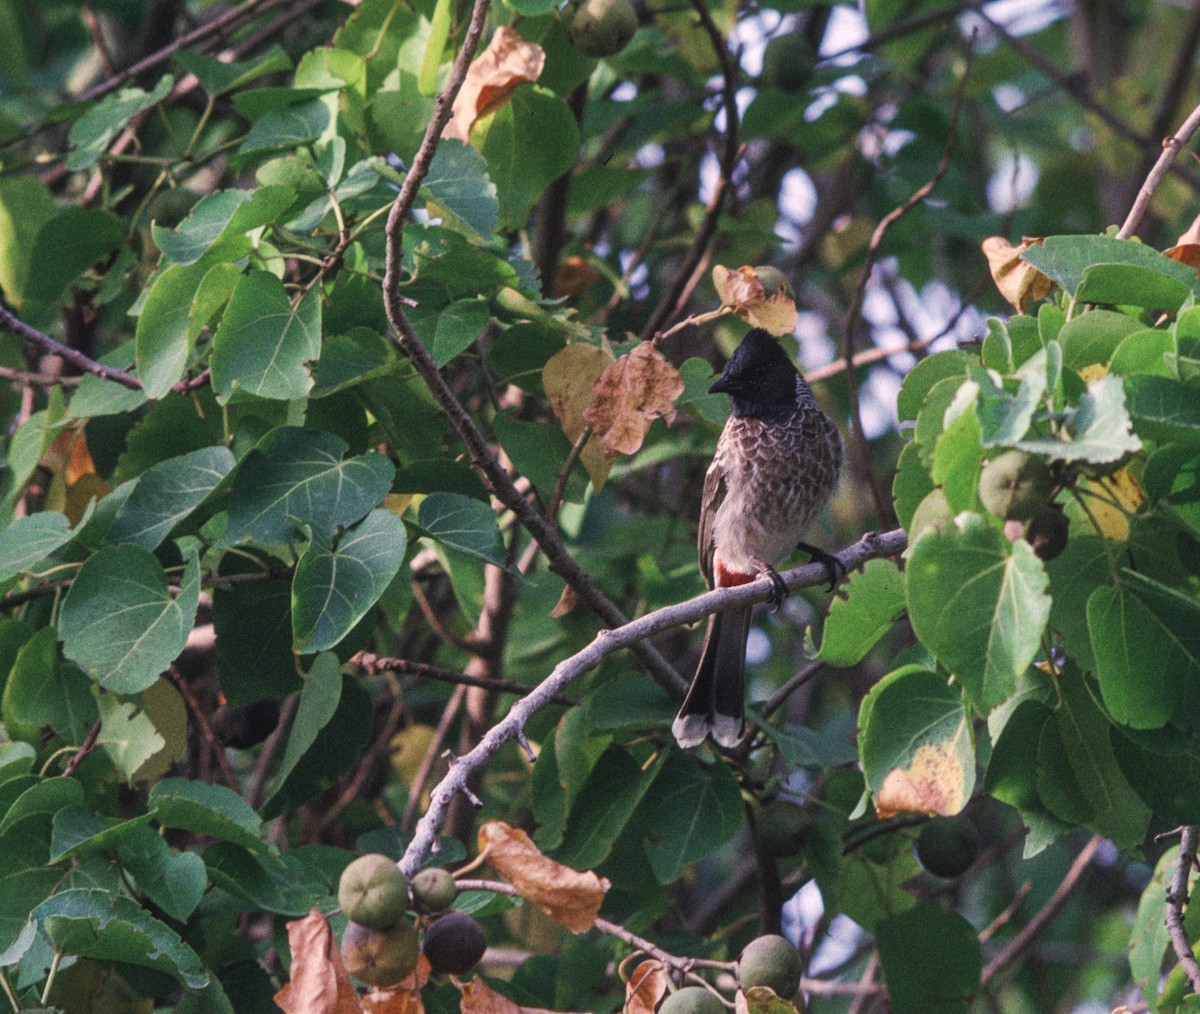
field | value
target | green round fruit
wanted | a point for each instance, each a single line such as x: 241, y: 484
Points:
x: 454, y: 943
x: 788, y: 63
x: 783, y: 828
x: 1016, y: 485
x: 1047, y: 532
x: 373, y: 892
x: 434, y: 889
x: 602, y: 27
x: 773, y: 962
x: 947, y: 846
x: 380, y: 957
x: 932, y: 512
x: 692, y: 1000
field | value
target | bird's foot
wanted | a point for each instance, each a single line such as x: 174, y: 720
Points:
x: 779, y: 590
x: 835, y: 570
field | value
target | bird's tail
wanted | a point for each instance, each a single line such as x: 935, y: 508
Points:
x: 715, y: 702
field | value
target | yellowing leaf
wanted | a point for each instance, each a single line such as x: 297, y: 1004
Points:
x: 566, y: 895
x: 1187, y: 248
x: 762, y: 1000
x: 402, y: 998
x: 1109, y: 502
x: 320, y: 983
x: 629, y: 395
x: 932, y: 783
x: 1018, y: 281
x: 743, y: 291
x: 568, y: 378
x: 567, y: 601
x: 507, y: 62
x: 646, y: 986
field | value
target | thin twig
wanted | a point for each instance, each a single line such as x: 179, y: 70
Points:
x: 206, y: 729
x: 76, y: 358
x: 86, y: 747
x: 376, y: 664
x: 809, y: 670
x: 417, y: 789
x: 854, y: 317
x: 604, y: 644
x: 1170, y: 148
x: 1022, y: 940
x: 1177, y: 897
x: 1006, y: 915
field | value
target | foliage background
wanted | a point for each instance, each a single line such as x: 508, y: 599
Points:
x: 259, y: 574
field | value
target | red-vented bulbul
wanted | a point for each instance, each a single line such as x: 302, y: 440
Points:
x: 775, y: 468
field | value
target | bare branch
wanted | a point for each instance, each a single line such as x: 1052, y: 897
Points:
x: 1170, y: 148
x: 1177, y: 897
x: 377, y: 663
x: 605, y: 643
x: 31, y: 334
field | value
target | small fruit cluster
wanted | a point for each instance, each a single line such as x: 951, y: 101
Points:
x: 601, y: 27
x: 766, y: 961
x: 380, y: 945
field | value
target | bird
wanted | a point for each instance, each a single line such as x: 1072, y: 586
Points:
x: 774, y: 470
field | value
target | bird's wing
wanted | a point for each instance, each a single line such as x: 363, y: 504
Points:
x: 714, y: 496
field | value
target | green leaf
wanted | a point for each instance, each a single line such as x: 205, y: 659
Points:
x: 298, y: 475
x: 48, y: 796
x: 216, y: 226
x: 25, y: 844
x: 210, y: 810
x: 264, y: 343
x: 979, y: 603
x: 43, y: 691
x: 126, y: 734
x: 350, y: 359
x: 295, y: 124
x: 874, y: 598
x: 92, y: 132
x: 957, y: 459
x: 529, y: 143
x: 931, y: 960
x: 1097, y: 430
x: 457, y: 328
x: 217, y: 78
x: 164, y: 339
x: 919, y: 381
x: 1066, y: 259
x: 119, y: 621
x: 458, y: 182
x: 335, y: 587
x: 911, y: 484
x: 1128, y: 645
x: 78, y: 831
x: 462, y: 524
x: 26, y: 204
x: 22, y: 893
x: 915, y: 743
x: 1172, y: 478
x: 319, y: 699
x: 109, y: 927
x: 1133, y: 285
x: 802, y: 747
x: 628, y: 702
x: 1163, y: 767
x: 1117, y: 811
x: 66, y: 246
x: 31, y: 539
x: 692, y: 811
x: 167, y: 493
x: 268, y: 883
x: 174, y: 881
x: 603, y: 808
x: 1149, y: 937
x: 1094, y: 337
x: 1164, y: 409
x: 1004, y: 418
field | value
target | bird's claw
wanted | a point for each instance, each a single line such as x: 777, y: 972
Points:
x: 779, y: 590
x: 835, y: 570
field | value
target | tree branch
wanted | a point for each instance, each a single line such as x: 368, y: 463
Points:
x: 374, y: 664
x: 605, y: 643
x: 1170, y: 148
x: 1177, y: 897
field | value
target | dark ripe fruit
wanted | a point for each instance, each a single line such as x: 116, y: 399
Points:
x: 770, y: 961
x: 454, y: 943
x: 783, y: 828
x: 242, y: 726
x: 1016, y: 485
x: 373, y: 892
x: 946, y: 846
x: 602, y: 27
x: 380, y: 957
x: 433, y: 889
x: 788, y: 63
x: 932, y: 512
x: 1047, y: 532
x: 692, y: 1000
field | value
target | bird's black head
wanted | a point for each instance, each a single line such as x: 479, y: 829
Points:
x: 759, y: 377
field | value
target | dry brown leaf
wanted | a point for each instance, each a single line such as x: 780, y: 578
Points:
x: 478, y: 998
x: 574, y: 275
x: 568, y: 378
x: 1018, y: 281
x: 566, y: 895
x: 633, y: 392
x: 1187, y: 248
x: 646, y: 986
x: 320, y: 983
x: 744, y: 292
x: 932, y: 783
x: 491, y: 79
x: 402, y: 998
x: 567, y: 601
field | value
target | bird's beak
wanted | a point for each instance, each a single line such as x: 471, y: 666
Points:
x: 720, y: 386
